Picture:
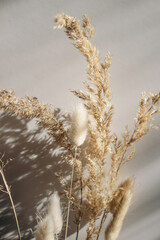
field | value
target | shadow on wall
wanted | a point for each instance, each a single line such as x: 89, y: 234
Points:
x: 31, y: 175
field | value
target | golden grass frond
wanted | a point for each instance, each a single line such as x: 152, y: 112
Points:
x: 30, y: 107
x: 148, y: 107
x: 98, y: 188
x: 97, y: 100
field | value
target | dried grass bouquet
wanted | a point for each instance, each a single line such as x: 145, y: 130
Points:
x: 94, y: 153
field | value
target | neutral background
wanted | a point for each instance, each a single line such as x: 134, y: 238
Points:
x: 39, y: 61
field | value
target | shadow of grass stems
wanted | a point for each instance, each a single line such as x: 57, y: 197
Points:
x: 30, y: 175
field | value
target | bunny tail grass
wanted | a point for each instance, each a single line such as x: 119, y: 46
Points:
x: 79, y: 125
x: 54, y: 210
x: 124, y: 198
x: 45, y: 229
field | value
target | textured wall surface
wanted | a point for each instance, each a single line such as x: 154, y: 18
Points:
x: 39, y: 61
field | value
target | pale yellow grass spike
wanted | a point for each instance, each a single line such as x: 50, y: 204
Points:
x: 115, y: 225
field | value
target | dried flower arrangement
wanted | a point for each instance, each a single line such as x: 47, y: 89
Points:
x: 88, y: 144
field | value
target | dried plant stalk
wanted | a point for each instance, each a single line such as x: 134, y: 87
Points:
x: 100, y: 141
x: 70, y: 195
x: 10, y: 196
x: 79, y: 124
x: 97, y: 100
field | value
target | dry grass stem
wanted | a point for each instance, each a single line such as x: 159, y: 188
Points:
x: 70, y: 195
x: 2, y: 165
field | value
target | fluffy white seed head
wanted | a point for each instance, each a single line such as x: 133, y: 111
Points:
x: 79, y: 125
x: 45, y: 229
x: 54, y: 210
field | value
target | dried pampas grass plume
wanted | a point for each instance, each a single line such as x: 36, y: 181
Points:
x: 45, y: 229
x: 79, y: 125
x: 119, y: 208
x: 54, y: 210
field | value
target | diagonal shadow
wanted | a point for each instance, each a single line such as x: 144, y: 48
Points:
x: 31, y: 174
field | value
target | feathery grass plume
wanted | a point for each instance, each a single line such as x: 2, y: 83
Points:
x: 79, y: 121
x: 148, y: 107
x: 54, y: 210
x: 99, y: 189
x: 97, y: 100
x: 45, y: 229
x: 30, y: 107
x: 119, y: 208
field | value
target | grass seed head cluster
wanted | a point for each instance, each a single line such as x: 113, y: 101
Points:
x: 88, y: 143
